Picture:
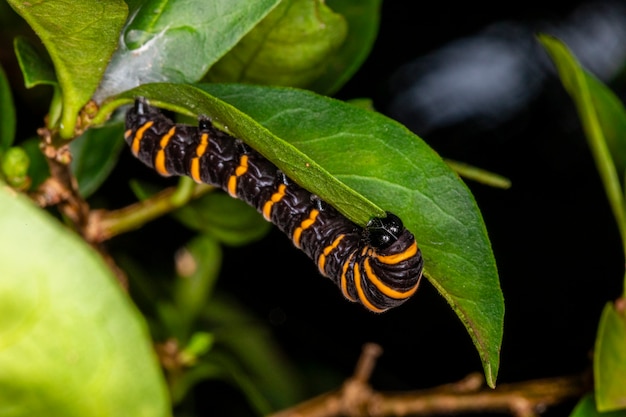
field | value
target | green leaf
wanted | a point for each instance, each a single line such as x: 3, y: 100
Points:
x: 359, y: 160
x: 184, y: 37
x: 586, y: 407
x: 290, y: 47
x: 229, y: 220
x: 363, y: 17
x: 80, y: 37
x: 577, y: 82
x: 7, y: 113
x: 609, y: 360
x: 94, y: 155
x: 36, y: 66
x: 71, y: 342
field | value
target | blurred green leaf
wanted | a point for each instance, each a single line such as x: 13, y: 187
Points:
x: 586, y: 407
x: 38, y: 169
x: 36, y: 66
x: 290, y: 47
x: 590, y: 102
x: 198, y: 266
x: 229, y: 220
x: 80, y: 37
x: 199, y: 344
x: 609, y: 360
x: 245, y: 349
x: 612, y: 118
x: 7, y: 113
x: 178, y: 40
x: 311, y: 138
x: 71, y: 342
x: 363, y: 17
x: 94, y: 155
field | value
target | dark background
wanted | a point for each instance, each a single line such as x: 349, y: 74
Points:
x: 554, y: 238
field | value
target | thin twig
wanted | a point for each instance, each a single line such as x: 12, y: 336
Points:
x: 356, y: 398
x: 105, y: 224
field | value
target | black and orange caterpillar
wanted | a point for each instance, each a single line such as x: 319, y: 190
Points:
x: 379, y: 266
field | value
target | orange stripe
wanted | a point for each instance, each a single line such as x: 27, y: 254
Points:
x: 321, y: 262
x: 139, y: 136
x: 303, y: 226
x: 344, y: 280
x: 398, y: 257
x: 195, y: 162
x: 275, y: 198
x: 159, y: 160
x: 361, y: 293
x: 389, y: 292
x: 239, y: 171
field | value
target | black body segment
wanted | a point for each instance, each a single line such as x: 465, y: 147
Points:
x: 379, y: 266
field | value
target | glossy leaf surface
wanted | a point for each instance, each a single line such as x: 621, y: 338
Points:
x: 178, y: 40
x: 80, y: 37
x: 292, y: 46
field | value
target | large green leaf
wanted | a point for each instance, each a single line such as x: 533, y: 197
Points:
x: 178, y: 40
x: 359, y: 160
x: 80, y: 37
x: 71, y: 342
x: 291, y: 46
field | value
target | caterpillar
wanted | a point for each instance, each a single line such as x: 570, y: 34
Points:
x: 379, y: 266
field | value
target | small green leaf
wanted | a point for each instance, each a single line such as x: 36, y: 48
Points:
x: 359, y: 160
x: 363, y: 17
x: 7, y: 113
x: 71, y: 342
x: 229, y: 220
x: 290, y: 47
x: 94, y: 155
x: 199, y: 344
x: 80, y: 37
x: 185, y: 37
x: 36, y: 66
x: 609, y: 360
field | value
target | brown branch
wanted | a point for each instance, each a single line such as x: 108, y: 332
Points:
x: 61, y: 190
x: 356, y: 398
